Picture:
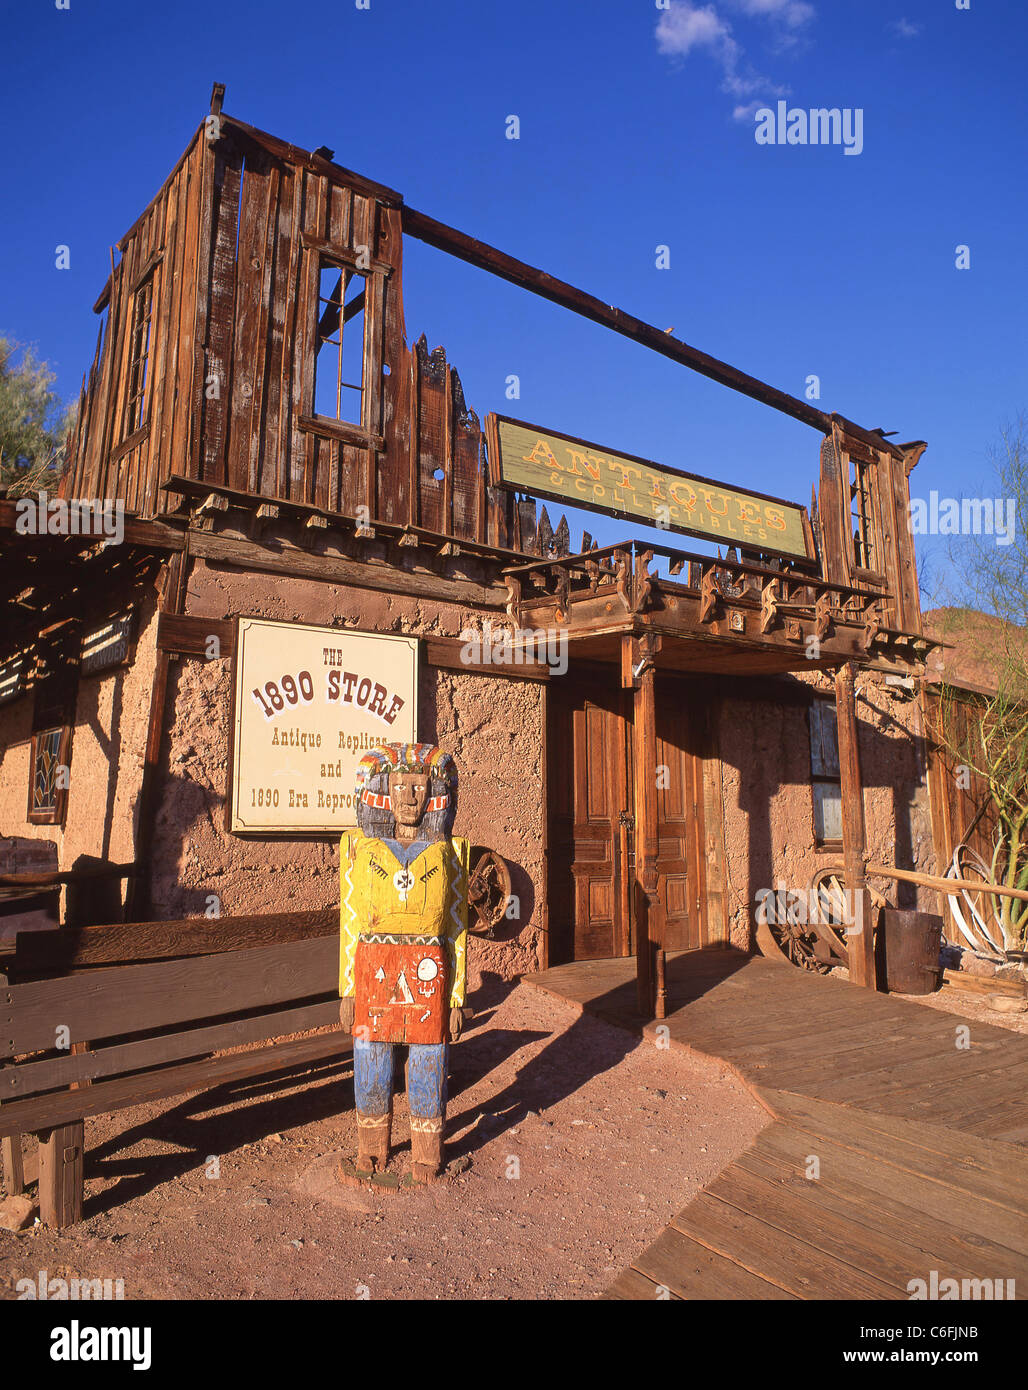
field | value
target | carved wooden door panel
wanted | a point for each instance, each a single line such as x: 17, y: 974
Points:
x: 590, y: 853
x: 600, y: 795
x: 587, y: 791
x: 680, y: 886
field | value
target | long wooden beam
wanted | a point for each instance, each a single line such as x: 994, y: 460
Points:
x: 337, y: 569
x: 38, y: 1112
x: 50, y: 880
x: 150, y: 535
x: 527, y: 277
x: 940, y: 884
x: 490, y: 258
x: 73, y: 948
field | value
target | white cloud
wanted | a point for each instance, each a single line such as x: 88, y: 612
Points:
x: 905, y: 29
x: 787, y: 20
x: 685, y: 28
x: 793, y: 13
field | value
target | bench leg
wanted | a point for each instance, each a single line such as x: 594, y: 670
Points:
x: 14, y: 1169
x: 60, y: 1174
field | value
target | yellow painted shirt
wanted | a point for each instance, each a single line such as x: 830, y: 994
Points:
x: 427, y: 896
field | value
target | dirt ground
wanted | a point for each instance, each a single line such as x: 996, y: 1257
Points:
x: 571, y: 1145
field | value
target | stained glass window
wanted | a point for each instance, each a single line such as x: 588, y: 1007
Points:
x: 46, y: 761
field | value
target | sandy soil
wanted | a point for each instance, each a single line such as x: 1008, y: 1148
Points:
x: 571, y: 1145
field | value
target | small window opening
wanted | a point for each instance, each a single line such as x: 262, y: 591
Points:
x: 861, y: 516
x: 339, y: 347
x: 826, y: 784
x: 139, y: 359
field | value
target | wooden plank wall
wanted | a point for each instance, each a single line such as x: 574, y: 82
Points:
x: 956, y: 808
x: 834, y: 513
x: 894, y: 487
x: 260, y: 321
x: 162, y: 243
x: 447, y: 440
x: 233, y: 241
x: 889, y: 523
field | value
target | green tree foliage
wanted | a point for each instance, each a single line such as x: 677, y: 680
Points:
x: 33, y: 422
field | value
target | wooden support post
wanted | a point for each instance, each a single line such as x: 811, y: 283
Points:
x: 649, y: 948
x: 14, y: 1168
x: 172, y: 600
x: 60, y: 1175
x: 854, y: 837
x: 660, y: 982
x: 644, y: 973
x: 10, y: 1154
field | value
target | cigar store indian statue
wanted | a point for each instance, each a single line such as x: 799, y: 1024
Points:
x: 402, y: 946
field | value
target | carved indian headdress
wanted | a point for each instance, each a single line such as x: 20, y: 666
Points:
x: 374, y: 808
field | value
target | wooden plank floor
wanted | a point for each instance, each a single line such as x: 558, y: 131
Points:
x: 896, y: 1146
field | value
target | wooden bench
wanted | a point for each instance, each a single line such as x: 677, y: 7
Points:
x: 29, y: 896
x: 81, y: 1036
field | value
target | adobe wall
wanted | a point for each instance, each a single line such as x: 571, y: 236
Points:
x: 492, y: 727
x: 768, y: 804
x: 107, y: 752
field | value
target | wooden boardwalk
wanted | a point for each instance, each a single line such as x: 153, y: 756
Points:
x: 914, y: 1121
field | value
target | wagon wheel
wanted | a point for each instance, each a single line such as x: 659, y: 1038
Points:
x: 827, y: 889
x: 488, y: 891
x: 828, y: 910
x: 985, y: 938
x: 818, y: 944
x: 800, y: 945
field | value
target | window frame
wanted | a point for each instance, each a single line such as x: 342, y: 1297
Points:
x: 138, y: 364
x: 375, y: 273
x: 823, y: 778
x: 54, y: 814
x: 867, y: 540
x: 347, y: 270
x: 54, y: 707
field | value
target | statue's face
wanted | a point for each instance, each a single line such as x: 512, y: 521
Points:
x: 408, y: 792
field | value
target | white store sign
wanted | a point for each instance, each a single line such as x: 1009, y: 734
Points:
x: 309, y: 702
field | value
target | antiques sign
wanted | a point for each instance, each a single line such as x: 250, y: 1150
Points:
x: 310, y: 702
x: 580, y: 474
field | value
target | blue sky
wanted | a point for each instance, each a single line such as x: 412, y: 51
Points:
x: 636, y: 131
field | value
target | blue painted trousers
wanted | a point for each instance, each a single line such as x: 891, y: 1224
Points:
x: 426, y: 1078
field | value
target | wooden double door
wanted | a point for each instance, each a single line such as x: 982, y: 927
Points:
x: 591, y: 788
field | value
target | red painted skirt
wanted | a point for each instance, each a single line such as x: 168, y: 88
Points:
x: 400, y: 990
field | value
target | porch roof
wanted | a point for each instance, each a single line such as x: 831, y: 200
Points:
x: 724, y: 616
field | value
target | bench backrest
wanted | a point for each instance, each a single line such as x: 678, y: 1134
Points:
x: 129, y: 1018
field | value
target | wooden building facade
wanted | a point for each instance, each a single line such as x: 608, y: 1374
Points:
x: 281, y: 451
